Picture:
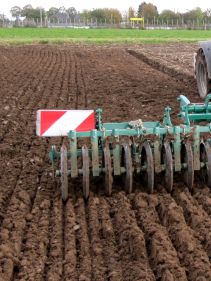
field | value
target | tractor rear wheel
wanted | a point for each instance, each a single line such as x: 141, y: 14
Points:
x: 203, y: 82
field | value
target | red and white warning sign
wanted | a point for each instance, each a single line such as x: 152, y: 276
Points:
x: 52, y: 123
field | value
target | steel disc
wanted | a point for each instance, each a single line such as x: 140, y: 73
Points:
x: 85, y: 169
x: 168, y: 162
x: 205, y: 157
x: 129, y: 168
x: 148, y: 162
x: 108, y: 170
x: 64, y: 172
x: 187, y: 158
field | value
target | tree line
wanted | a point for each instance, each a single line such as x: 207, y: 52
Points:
x: 63, y: 14
x: 106, y: 15
x: 150, y: 12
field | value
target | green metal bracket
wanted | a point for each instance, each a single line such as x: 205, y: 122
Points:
x: 207, y: 101
x: 53, y: 154
x: 196, y: 148
x: 195, y: 112
x: 167, y: 117
x: 183, y: 101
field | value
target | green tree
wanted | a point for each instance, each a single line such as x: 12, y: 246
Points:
x: 207, y: 15
x: 148, y: 11
x: 3, y: 20
x: 62, y: 14
x: 113, y: 16
x: 71, y: 13
x: 131, y: 13
x: 52, y: 14
x: 193, y: 15
x: 86, y: 15
x: 168, y: 15
x: 105, y: 15
x: 199, y: 14
x: 16, y: 12
x: 98, y: 15
x: 27, y: 12
x: 31, y: 13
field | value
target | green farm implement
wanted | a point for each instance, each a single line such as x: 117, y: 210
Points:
x: 109, y: 150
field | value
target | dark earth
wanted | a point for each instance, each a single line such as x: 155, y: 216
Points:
x: 161, y: 236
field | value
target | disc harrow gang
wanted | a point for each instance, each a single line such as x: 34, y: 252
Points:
x: 146, y: 149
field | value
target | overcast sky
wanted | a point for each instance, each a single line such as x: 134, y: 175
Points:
x: 179, y: 5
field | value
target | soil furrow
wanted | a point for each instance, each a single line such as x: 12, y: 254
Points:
x: 204, y: 199
x: 84, y: 259
x: 13, y: 168
x: 17, y: 145
x: 71, y: 229
x: 35, y: 251
x: 110, y: 247
x: 99, y: 270
x: 163, y: 257
x: 171, y: 71
x: 54, y: 264
x: 190, y: 251
x: 131, y: 242
x: 27, y: 142
x: 24, y: 96
x: 21, y: 230
x: 196, y: 218
x: 81, y: 84
x: 14, y: 223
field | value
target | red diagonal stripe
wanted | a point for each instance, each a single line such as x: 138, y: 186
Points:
x: 88, y: 124
x: 48, y: 118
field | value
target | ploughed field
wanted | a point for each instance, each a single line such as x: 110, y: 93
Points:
x: 123, y: 237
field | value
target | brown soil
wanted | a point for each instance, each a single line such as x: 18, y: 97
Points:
x: 136, y: 237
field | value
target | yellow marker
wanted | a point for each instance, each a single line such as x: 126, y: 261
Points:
x: 137, y: 19
x: 133, y: 20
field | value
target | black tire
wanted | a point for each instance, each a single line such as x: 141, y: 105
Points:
x: 203, y: 82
